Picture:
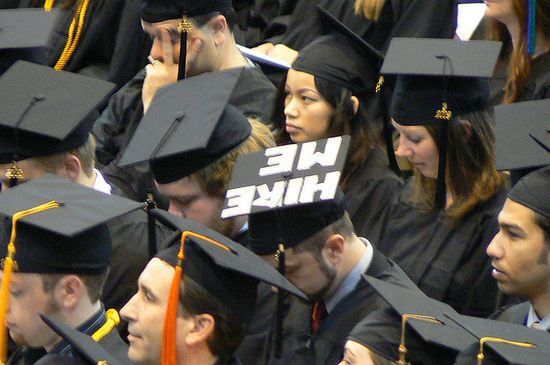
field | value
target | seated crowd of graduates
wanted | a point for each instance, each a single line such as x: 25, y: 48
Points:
x: 368, y: 190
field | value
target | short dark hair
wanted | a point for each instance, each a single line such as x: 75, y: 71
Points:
x: 229, y: 15
x: 94, y: 283
x: 544, y: 223
x: 316, y: 242
x: 229, y: 328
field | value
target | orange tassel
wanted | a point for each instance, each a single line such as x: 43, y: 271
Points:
x: 169, y: 356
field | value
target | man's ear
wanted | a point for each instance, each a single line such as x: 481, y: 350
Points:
x: 219, y: 27
x: 68, y: 292
x: 72, y: 167
x: 356, y: 103
x: 203, y: 328
x: 334, y: 248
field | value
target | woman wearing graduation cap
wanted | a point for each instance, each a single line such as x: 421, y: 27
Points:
x: 330, y: 91
x: 446, y: 214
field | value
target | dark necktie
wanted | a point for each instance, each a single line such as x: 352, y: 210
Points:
x: 319, y: 313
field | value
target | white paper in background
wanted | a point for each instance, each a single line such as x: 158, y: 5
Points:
x: 262, y: 58
x: 469, y: 16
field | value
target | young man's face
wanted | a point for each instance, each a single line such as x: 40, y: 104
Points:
x: 201, y: 51
x: 188, y: 200
x: 145, y: 314
x: 27, y: 300
x: 521, y: 257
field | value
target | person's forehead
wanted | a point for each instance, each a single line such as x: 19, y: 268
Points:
x: 156, y: 275
x: 515, y: 213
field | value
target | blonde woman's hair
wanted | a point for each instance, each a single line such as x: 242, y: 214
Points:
x: 370, y: 9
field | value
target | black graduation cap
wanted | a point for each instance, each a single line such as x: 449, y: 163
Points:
x: 533, y: 191
x: 434, y: 338
x: 224, y: 268
x: 57, y: 227
x: 341, y: 56
x: 70, y: 238
x: 91, y: 351
x: 424, y: 57
x: 25, y: 35
x: 503, y: 343
x: 49, y: 111
x: 438, y: 80
x: 515, y: 147
x: 153, y: 11
x: 188, y: 126
x: 292, y: 225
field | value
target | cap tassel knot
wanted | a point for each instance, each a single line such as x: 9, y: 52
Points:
x: 444, y: 113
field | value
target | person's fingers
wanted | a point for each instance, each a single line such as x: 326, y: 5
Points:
x: 167, y: 48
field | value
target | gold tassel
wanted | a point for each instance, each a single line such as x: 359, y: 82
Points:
x: 113, y: 319
x: 402, y: 345
x: 49, y: 4
x: 73, y: 38
x: 185, y: 25
x: 14, y: 172
x: 483, y: 340
x: 9, y: 266
x: 379, y: 84
x: 443, y: 113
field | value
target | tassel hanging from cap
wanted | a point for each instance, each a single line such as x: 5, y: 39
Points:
x: 49, y: 4
x: 184, y: 27
x: 9, y: 266
x: 281, y: 296
x: 403, y: 346
x: 483, y: 340
x: 169, y: 356
x: 531, y: 27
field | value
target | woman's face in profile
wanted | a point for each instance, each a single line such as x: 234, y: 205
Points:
x: 307, y: 112
x: 417, y: 145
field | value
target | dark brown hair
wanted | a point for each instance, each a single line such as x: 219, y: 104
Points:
x: 471, y: 174
x: 229, y: 329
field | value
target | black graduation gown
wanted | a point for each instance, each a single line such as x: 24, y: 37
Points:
x: 326, y: 347
x: 448, y: 264
x: 256, y: 340
x: 112, y: 47
x: 253, y: 95
x: 400, y: 18
x: 370, y: 194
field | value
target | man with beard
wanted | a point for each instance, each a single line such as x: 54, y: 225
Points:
x: 324, y: 258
